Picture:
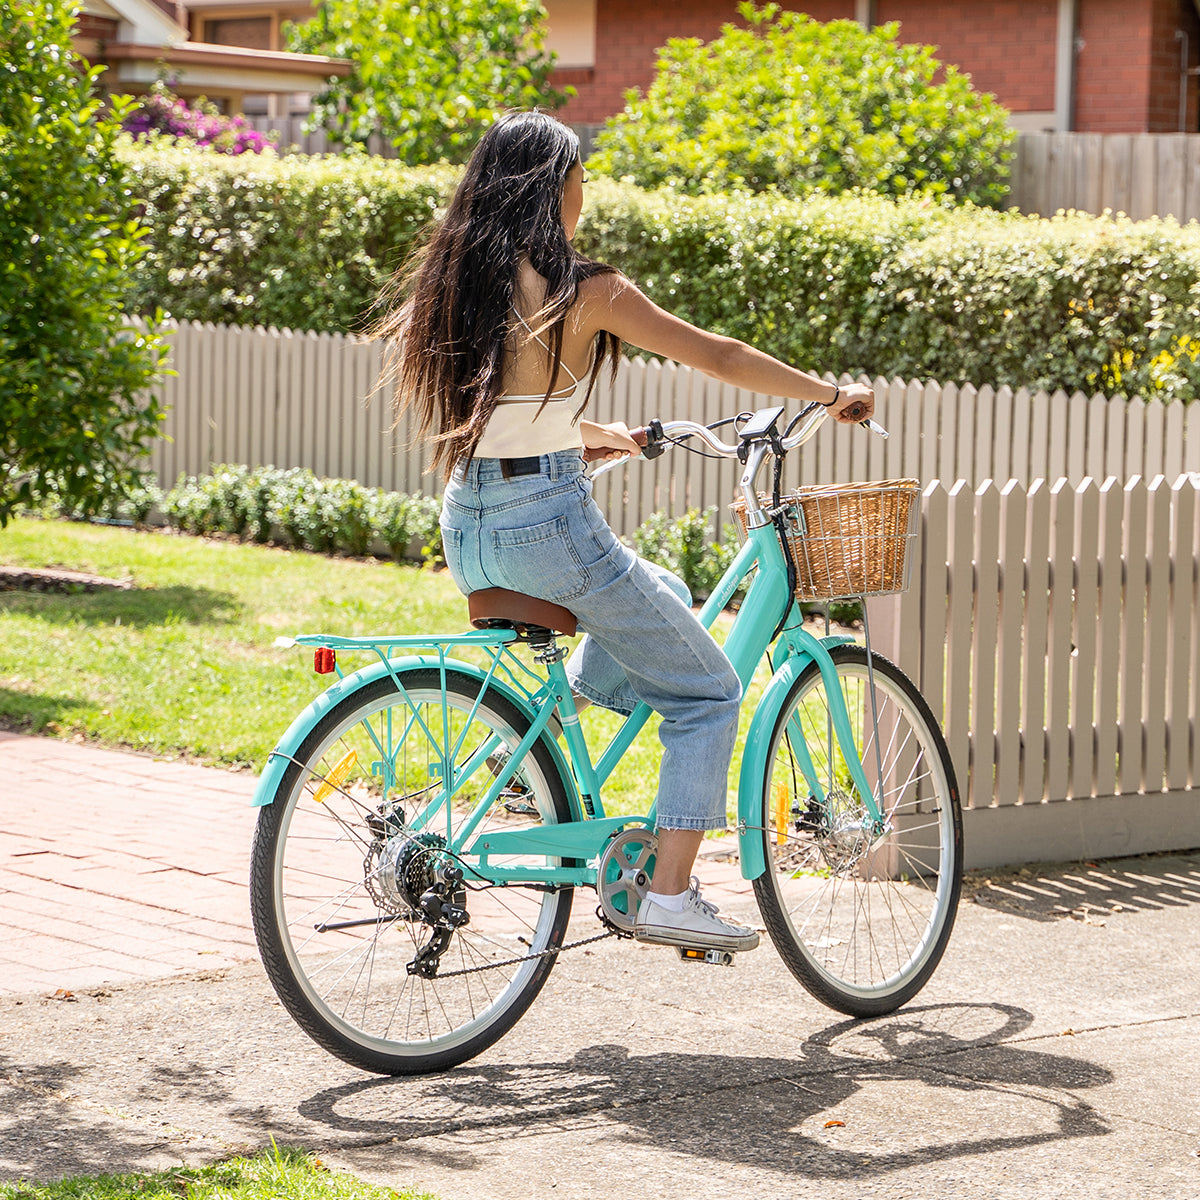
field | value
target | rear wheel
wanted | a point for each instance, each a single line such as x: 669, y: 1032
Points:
x: 341, y: 880
x: 860, y: 914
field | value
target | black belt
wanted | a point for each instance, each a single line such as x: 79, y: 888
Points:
x: 510, y: 467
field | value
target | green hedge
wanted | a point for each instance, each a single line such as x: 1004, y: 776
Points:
x: 295, y: 242
x: 855, y: 283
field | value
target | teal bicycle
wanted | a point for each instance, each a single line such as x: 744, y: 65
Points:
x: 426, y: 821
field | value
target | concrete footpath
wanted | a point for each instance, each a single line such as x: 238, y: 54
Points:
x: 1055, y: 1051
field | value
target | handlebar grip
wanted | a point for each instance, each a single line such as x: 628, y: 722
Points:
x: 643, y: 438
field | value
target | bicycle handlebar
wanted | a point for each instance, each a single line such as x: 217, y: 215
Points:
x: 652, y: 436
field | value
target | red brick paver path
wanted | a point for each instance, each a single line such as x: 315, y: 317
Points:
x: 116, y: 867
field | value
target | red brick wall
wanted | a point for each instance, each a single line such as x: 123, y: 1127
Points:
x: 628, y: 32
x: 1006, y: 46
x: 103, y: 29
x: 1127, y: 73
x: 1166, y: 61
x: 1112, y: 69
x: 1127, y: 69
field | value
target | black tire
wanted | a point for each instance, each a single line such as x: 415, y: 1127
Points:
x: 349, y: 858
x: 861, y: 919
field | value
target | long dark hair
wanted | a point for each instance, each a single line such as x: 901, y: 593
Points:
x: 451, y: 306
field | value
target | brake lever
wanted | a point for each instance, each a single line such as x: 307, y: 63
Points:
x: 852, y: 411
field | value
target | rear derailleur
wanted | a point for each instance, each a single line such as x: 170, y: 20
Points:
x: 443, y: 907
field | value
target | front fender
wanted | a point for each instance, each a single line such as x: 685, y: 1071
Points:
x: 754, y: 758
x: 287, y: 747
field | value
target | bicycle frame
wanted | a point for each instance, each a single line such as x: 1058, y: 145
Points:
x: 583, y: 838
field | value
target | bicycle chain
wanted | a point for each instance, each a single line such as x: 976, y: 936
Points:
x: 599, y: 937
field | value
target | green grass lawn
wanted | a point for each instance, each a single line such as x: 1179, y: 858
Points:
x: 184, y: 664
x: 271, y: 1175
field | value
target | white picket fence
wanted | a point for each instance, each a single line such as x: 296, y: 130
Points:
x: 267, y: 396
x: 1055, y: 630
x: 1055, y: 627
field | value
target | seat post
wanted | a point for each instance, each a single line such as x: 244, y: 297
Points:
x: 548, y: 651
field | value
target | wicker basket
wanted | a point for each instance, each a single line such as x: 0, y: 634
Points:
x: 851, y: 539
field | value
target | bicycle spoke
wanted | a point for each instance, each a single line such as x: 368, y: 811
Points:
x: 860, y: 908
x: 363, y: 855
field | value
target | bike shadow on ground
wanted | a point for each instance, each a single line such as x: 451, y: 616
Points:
x: 755, y: 1110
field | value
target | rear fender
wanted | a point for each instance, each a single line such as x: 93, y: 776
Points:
x: 288, y: 746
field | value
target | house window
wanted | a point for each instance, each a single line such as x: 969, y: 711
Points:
x: 571, y: 31
x: 251, y: 32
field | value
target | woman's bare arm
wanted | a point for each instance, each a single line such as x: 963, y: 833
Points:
x: 614, y: 303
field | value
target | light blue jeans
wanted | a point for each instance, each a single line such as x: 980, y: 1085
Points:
x: 543, y: 535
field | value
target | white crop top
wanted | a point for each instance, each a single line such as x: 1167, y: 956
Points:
x: 516, y: 429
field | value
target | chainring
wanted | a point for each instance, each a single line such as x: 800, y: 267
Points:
x: 623, y: 876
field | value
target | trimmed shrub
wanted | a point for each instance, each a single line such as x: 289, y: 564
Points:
x: 1072, y: 302
x: 295, y: 242
x: 854, y: 284
x: 794, y: 104
x: 686, y: 546
x: 862, y: 284
x: 300, y: 509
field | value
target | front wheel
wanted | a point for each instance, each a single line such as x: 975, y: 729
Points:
x: 860, y: 911
x: 358, y: 835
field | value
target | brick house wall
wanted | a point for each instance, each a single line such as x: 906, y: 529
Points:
x: 1166, y: 52
x: 1006, y: 46
x: 99, y: 29
x: 1127, y: 67
x: 628, y: 32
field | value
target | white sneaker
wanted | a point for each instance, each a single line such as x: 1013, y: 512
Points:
x: 698, y: 925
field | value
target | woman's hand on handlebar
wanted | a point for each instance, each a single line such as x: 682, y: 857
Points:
x: 607, y: 443
x: 855, y: 403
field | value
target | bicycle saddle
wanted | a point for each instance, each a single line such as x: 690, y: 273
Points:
x: 498, y: 608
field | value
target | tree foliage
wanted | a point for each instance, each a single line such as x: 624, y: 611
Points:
x: 74, y: 409
x: 429, y: 77
x: 789, y: 103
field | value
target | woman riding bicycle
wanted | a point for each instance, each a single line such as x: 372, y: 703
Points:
x: 499, y: 331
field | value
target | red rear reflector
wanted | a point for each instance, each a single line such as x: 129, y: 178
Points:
x: 324, y: 660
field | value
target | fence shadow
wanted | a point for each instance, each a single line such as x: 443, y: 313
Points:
x: 1089, y: 892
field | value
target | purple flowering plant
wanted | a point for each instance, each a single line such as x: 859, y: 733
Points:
x: 162, y: 112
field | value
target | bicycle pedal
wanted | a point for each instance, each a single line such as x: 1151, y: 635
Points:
x: 714, y: 958
x: 520, y: 808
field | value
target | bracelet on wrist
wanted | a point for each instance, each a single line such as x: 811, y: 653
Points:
x: 837, y: 391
